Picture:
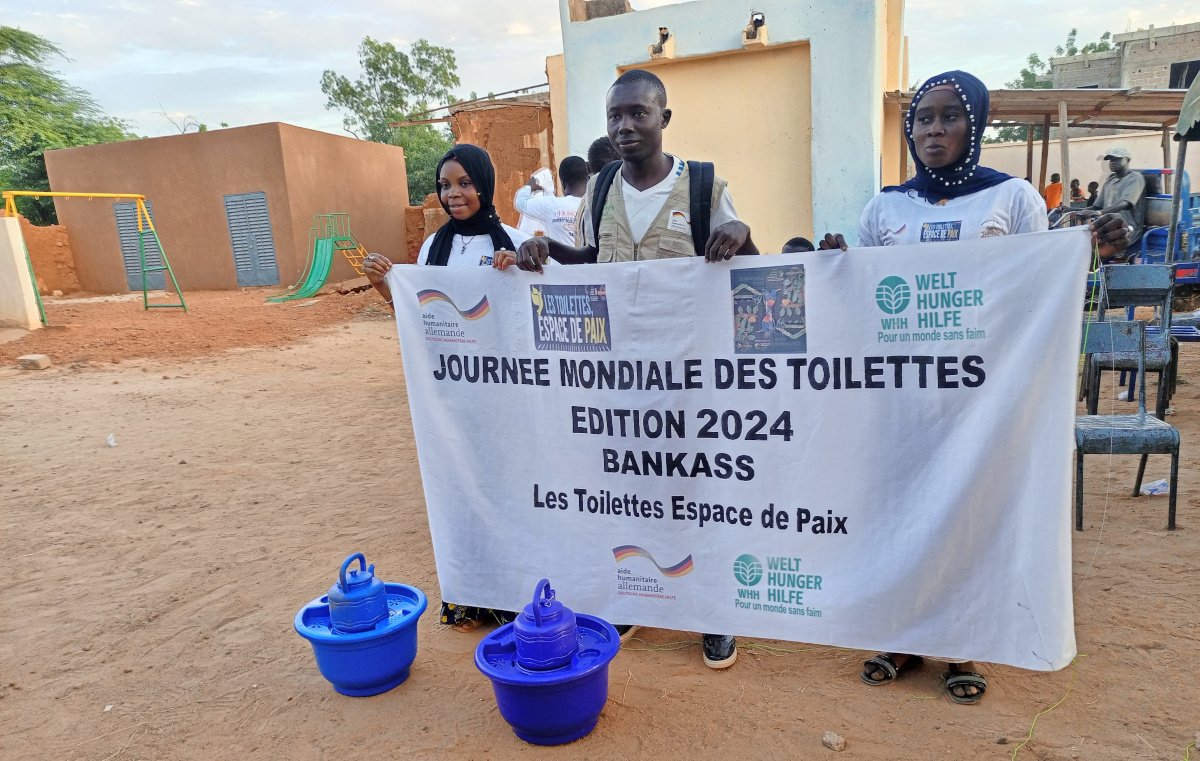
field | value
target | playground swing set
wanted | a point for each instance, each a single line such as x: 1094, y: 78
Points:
x: 145, y: 227
x: 330, y: 233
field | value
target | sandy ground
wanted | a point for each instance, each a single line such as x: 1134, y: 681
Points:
x: 160, y: 577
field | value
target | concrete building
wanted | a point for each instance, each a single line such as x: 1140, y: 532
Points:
x: 1153, y: 59
x: 792, y: 116
x: 232, y: 207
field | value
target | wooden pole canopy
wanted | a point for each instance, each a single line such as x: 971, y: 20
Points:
x: 1084, y: 108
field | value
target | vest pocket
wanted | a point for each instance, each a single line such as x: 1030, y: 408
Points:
x: 606, y: 248
x: 672, y: 244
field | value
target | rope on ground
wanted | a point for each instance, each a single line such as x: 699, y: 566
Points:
x: 1074, y: 671
x: 657, y: 646
x: 778, y: 652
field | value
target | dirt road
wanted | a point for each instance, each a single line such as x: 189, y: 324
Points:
x: 160, y: 577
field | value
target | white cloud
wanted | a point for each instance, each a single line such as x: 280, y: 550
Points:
x: 519, y: 29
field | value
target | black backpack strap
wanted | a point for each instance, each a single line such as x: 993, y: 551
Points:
x: 700, y: 188
x: 604, y: 181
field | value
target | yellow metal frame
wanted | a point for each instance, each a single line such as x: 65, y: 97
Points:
x: 10, y: 210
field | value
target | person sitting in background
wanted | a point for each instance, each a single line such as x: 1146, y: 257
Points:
x: 555, y: 214
x: 1124, y: 193
x: 1076, y: 193
x: 600, y: 153
x: 1093, y: 194
x: 1054, y: 192
x: 798, y: 244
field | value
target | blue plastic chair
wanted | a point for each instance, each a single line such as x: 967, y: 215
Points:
x: 1136, y: 285
x: 1123, y: 434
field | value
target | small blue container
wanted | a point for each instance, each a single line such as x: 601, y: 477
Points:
x: 556, y: 705
x: 370, y: 661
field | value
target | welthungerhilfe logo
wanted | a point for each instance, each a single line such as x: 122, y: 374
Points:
x: 570, y: 318
x: 747, y: 570
x: 893, y: 295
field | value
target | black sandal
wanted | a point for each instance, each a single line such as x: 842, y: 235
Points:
x: 883, y: 662
x: 965, y: 679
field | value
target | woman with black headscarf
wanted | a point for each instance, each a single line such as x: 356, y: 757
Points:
x: 474, y: 234
x: 466, y: 182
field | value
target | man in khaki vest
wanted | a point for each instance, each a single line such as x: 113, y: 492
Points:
x: 646, y: 215
x: 647, y: 212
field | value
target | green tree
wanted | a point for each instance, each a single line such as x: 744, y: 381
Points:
x: 1035, y: 76
x: 396, y: 87
x: 40, y: 112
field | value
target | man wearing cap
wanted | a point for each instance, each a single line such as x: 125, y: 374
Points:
x: 1124, y: 193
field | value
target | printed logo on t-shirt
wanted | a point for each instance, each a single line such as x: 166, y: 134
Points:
x: 991, y: 228
x: 941, y: 231
x: 679, y: 222
x: 485, y: 260
x: 565, y: 218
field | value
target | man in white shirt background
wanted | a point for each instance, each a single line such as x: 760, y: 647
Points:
x: 556, y: 215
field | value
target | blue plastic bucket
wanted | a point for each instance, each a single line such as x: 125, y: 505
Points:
x: 367, y: 662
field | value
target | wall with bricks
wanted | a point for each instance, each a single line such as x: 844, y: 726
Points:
x: 1140, y: 59
x: 1091, y: 70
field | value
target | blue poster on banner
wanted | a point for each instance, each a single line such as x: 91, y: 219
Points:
x: 570, y: 318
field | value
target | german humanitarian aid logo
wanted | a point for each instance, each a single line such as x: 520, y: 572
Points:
x: 626, y: 551
x: 444, y: 326
x: 430, y: 295
x: 570, y: 318
x: 893, y: 295
x: 747, y: 570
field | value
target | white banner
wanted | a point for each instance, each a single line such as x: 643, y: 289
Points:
x: 870, y: 449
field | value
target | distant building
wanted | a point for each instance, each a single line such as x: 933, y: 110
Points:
x: 232, y: 207
x: 1154, y: 59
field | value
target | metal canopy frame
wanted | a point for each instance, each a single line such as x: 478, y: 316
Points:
x: 1132, y: 109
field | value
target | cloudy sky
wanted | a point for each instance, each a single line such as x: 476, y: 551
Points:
x: 251, y: 61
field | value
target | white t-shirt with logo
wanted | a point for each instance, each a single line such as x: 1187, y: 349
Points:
x: 555, y: 214
x: 477, y: 251
x: 902, y: 218
x: 642, y: 206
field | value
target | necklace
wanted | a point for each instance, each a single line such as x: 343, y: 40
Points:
x: 466, y: 241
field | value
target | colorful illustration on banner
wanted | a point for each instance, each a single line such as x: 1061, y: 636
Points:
x: 768, y: 310
x: 570, y: 318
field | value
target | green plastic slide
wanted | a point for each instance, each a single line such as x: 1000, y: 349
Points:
x: 314, y: 279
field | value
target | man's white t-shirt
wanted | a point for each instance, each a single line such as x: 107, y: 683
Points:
x: 477, y: 251
x: 902, y: 218
x: 556, y: 214
x: 528, y: 224
x: 642, y: 206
